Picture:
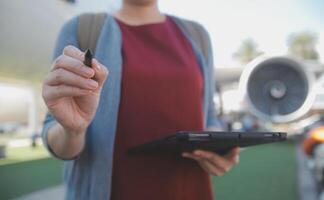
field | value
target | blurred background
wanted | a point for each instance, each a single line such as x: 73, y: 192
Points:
x: 269, y: 67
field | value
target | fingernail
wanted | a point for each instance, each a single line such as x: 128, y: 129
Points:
x: 237, y: 159
x: 92, y: 84
x: 87, y: 71
x: 97, y: 65
x: 90, y: 91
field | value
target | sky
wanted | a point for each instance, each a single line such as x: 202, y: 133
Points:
x: 268, y: 22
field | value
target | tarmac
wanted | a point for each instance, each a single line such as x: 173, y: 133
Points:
x: 53, y: 193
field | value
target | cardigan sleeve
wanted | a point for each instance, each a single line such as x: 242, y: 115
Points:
x: 67, y: 36
x: 212, y: 119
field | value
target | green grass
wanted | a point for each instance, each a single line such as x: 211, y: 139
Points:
x: 25, y: 177
x: 20, y: 154
x: 27, y: 169
x: 265, y: 172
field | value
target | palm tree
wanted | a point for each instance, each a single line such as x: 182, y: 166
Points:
x: 247, y: 51
x: 303, y: 45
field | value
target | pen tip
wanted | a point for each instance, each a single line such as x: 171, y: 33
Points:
x: 88, y: 58
x: 88, y: 53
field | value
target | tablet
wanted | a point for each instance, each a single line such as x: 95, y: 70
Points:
x: 219, y: 142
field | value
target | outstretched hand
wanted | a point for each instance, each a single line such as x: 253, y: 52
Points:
x: 71, y: 90
x: 213, y: 163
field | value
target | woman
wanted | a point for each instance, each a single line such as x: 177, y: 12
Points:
x: 158, y: 83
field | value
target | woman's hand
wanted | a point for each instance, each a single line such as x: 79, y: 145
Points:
x: 213, y: 163
x: 71, y: 90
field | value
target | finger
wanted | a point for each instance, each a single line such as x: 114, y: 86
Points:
x: 233, y: 155
x: 73, y: 65
x: 56, y: 92
x: 205, y: 164
x: 211, y: 168
x: 101, y: 72
x: 236, y: 159
x: 191, y: 156
x: 235, y: 151
x: 64, y: 77
x: 204, y: 167
x: 214, y: 158
x: 74, y: 52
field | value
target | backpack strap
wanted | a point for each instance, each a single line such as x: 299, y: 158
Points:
x: 89, y: 29
x: 199, y: 36
x: 90, y: 25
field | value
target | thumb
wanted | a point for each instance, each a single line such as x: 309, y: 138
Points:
x: 233, y: 153
x: 101, y: 72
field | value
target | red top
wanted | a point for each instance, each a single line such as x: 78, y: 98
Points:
x: 161, y: 93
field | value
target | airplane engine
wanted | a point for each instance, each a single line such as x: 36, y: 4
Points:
x: 278, y: 89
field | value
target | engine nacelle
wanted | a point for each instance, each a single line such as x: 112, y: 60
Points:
x: 278, y: 89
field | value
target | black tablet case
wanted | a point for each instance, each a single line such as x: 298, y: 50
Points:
x: 219, y: 142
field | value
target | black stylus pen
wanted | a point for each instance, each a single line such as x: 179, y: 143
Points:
x: 88, y: 58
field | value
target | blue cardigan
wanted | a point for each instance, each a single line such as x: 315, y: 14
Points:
x: 88, y: 176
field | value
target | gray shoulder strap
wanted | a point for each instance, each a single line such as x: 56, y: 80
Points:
x: 90, y: 25
x: 199, y: 36
x: 89, y: 28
